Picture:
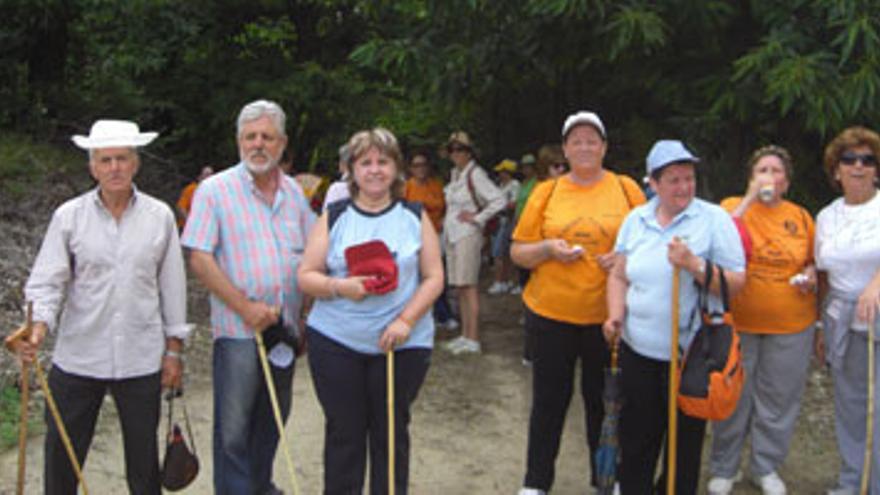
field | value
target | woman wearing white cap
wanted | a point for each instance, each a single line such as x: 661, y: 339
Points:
x: 673, y: 230
x: 564, y: 236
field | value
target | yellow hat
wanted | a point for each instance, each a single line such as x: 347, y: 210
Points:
x: 506, y: 166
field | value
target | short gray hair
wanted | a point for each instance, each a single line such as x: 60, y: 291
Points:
x: 258, y: 109
x: 345, y: 153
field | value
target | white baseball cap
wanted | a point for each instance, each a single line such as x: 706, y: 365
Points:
x: 583, y: 117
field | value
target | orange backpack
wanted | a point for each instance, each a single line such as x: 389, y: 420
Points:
x: 711, y: 375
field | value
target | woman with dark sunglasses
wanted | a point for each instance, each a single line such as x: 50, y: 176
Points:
x: 848, y: 259
x: 472, y: 199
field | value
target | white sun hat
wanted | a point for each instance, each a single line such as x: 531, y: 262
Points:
x: 113, y: 134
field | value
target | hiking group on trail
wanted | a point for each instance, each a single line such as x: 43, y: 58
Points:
x: 360, y: 287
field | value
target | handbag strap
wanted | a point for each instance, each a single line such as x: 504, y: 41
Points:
x: 704, y: 289
x: 189, y: 433
x: 170, y: 396
x: 472, y: 190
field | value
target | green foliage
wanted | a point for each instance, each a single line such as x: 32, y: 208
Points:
x: 10, y: 412
x: 724, y: 76
x: 634, y: 26
x: 22, y: 161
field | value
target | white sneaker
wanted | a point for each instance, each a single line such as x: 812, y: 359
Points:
x: 467, y: 346
x: 770, y: 483
x: 722, y: 486
x: 531, y: 491
x: 452, y: 345
x: 515, y: 290
x: 497, y: 288
x: 841, y: 491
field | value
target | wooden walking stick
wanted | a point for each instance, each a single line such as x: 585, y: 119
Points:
x: 390, y: 381
x: 869, y: 427
x: 62, y: 431
x: 25, y: 399
x: 672, y: 433
x: 273, y: 398
x: 10, y: 342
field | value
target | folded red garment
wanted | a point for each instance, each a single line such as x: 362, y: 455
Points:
x: 373, y: 259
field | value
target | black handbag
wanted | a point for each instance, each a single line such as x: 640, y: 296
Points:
x: 281, y: 333
x: 181, y: 464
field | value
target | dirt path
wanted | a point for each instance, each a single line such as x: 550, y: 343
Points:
x: 469, y: 427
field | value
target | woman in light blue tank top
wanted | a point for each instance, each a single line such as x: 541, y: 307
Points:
x: 353, y: 324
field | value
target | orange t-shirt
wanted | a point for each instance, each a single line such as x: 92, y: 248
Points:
x: 185, y: 201
x: 586, y: 215
x: 430, y: 195
x: 782, y: 245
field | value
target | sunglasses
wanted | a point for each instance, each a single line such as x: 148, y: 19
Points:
x: 850, y: 158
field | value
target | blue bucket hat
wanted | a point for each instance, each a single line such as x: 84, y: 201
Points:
x: 666, y: 152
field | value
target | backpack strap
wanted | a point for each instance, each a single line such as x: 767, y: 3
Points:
x: 704, y: 289
x: 623, y: 190
x: 472, y: 189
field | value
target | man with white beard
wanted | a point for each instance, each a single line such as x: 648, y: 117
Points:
x: 246, y: 232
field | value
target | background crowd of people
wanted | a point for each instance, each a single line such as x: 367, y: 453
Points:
x: 596, y: 253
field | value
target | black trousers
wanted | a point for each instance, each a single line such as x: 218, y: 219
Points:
x: 643, y: 427
x: 79, y: 400
x: 557, y: 348
x: 351, y: 388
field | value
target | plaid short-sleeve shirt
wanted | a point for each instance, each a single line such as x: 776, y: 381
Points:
x: 257, y: 245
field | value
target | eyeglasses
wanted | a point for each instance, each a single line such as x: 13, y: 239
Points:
x: 850, y: 158
x: 453, y: 149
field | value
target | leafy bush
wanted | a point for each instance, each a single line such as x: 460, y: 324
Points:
x: 23, y: 161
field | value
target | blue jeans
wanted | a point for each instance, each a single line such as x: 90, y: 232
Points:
x: 245, y: 435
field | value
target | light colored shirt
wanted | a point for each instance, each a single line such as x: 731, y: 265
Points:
x: 710, y: 234
x: 510, y: 191
x: 459, y: 199
x: 359, y: 324
x: 258, y: 245
x: 848, y: 247
x: 337, y: 191
x: 120, y: 287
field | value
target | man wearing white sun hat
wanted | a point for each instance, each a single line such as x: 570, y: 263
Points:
x: 111, y: 266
